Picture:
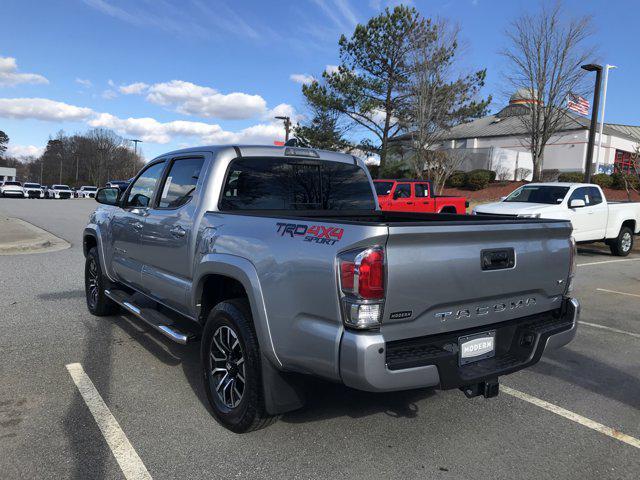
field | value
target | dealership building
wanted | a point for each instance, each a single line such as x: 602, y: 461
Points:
x: 7, y: 174
x: 498, y: 142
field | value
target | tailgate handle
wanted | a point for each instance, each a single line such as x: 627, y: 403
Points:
x: 497, y: 259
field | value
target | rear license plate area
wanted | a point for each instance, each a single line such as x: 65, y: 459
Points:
x: 476, y: 347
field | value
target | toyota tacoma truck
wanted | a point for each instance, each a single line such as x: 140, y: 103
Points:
x: 279, y: 261
x: 11, y: 188
x: 593, y: 218
x: 416, y: 196
x: 60, y: 191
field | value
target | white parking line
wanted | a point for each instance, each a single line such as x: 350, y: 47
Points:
x: 608, y: 261
x: 619, y: 293
x: 122, y: 450
x: 603, y: 327
x: 574, y: 417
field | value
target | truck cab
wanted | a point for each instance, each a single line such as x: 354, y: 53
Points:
x: 416, y: 196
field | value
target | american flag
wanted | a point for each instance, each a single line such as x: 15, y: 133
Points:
x: 578, y: 104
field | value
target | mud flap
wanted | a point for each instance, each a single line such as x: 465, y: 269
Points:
x: 281, y: 392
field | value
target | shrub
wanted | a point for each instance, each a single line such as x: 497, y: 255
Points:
x: 617, y: 181
x: 550, y: 175
x: 394, y: 169
x: 522, y: 173
x: 602, y: 179
x: 573, y: 177
x: 478, y: 179
x: 456, y: 180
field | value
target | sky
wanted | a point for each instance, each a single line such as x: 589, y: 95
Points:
x: 182, y: 73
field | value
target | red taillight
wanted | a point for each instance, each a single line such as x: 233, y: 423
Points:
x: 371, y: 275
x: 362, y: 273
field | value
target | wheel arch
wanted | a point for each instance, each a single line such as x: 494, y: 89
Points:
x: 220, y: 277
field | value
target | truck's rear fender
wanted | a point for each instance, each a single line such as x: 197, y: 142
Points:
x: 243, y: 271
x: 437, y: 283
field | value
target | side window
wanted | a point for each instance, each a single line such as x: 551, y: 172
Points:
x: 581, y: 194
x: 403, y: 190
x: 180, y: 183
x: 595, y: 196
x: 422, y: 190
x: 142, y: 189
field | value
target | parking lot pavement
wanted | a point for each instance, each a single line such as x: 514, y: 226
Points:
x: 152, y: 390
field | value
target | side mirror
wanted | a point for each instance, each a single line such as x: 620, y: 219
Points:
x: 108, y: 196
x: 577, y: 203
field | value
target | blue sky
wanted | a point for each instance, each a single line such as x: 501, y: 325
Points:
x: 183, y: 73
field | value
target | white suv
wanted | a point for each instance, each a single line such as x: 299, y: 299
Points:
x: 87, y: 192
x: 11, y: 188
x: 60, y: 191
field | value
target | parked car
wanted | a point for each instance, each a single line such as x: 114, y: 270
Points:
x: 33, y: 190
x: 416, y: 196
x: 593, y: 218
x: 60, y: 191
x: 279, y: 260
x: 87, y: 192
x: 120, y: 184
x: 12, y: 188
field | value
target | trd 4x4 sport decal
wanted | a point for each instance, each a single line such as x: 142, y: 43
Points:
x: 311, y: 233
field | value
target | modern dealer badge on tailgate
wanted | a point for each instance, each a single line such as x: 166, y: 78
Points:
x: 477, y: 347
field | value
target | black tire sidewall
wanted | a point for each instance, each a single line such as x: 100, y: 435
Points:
x: 104, y: 305
x: 236, y: 315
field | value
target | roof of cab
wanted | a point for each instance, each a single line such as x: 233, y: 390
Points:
x: 268, y: 151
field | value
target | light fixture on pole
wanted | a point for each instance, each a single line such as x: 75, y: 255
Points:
x: 287, y: 126
x: 592, y: 67
x: 135, y: 145
x: 604, y: 104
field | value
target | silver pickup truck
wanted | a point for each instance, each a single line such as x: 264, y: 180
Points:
x: 280, y: 262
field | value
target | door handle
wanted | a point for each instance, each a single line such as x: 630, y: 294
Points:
x: 178, y: 231
x: 425, y: 203
x: 137, y: 225
x: 409, y: 203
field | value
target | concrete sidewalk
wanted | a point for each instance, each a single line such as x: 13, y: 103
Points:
x: 20, y: 237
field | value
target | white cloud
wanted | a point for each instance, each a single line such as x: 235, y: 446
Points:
x: 151, y: 130
x: 340, y: 13
x: 84, y: 82
x: 9, y: 75
x: 109, y: 94
x: 14, y: 150
x: 301, y: 78
x: 42, y: 109
x: 133, y: 88
x: 191, y: 99
x: 331, y: 69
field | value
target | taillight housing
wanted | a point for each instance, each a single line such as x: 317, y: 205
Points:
x: 573, y: 257
x: 362, y: 287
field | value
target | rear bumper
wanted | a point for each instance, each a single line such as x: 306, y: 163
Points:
x: 369, y: 363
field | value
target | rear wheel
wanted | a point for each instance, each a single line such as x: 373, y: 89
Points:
x: 95, y: 283
x: 231, y: 368
x: 623, y: 244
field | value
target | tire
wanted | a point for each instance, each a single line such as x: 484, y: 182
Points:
x: 623, y: 244
x: 95, y: 283
x: 229, y: 345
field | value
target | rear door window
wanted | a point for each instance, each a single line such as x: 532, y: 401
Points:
x: 422, y: 190
x: 260, y: 183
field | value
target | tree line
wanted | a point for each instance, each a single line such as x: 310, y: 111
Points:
x: 91, y: 158
x: 402, y: 74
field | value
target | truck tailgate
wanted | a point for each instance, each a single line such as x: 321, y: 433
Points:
x: 452, y: 276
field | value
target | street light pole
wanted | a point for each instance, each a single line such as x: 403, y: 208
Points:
x: 604, y: 104
x: 287, y: 126
x: 594, y: 118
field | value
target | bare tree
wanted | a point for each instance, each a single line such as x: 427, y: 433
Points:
x: 438, y: 99
x: 544, y: 53
x: 440, y: 164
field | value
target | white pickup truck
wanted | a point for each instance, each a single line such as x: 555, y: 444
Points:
x: 593, y: 218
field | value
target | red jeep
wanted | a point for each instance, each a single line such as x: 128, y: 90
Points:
x: 416, y: 196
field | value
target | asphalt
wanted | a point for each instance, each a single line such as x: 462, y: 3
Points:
x: 153, y: 388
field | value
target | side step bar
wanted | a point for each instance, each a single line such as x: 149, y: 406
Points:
x: 151, y: 317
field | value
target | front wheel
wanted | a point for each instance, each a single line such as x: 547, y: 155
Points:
x: 623, y: 244
x: 231, y: 368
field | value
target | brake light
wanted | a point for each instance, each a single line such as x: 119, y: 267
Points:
x: 362, y: 285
